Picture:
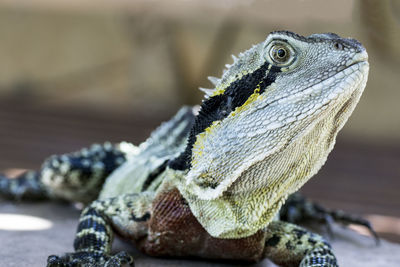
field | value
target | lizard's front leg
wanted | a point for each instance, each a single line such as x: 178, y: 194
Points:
x: 126, y: 214
x: 290, y: 245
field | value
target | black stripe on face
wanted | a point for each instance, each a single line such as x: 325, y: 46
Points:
x: 220, y: 106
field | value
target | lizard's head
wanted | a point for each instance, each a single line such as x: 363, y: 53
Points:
x: 267, y: 127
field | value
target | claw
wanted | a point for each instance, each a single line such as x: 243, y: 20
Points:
x: 372, y: 232
x: 328, y: 222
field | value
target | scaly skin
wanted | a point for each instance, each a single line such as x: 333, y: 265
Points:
x: 210, y: 183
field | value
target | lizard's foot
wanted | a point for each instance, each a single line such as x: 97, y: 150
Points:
x: 299, y: 209
x: 90, y: 259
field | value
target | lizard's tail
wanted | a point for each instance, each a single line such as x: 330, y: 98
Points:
x: 26, y: 186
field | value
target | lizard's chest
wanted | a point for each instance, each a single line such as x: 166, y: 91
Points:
x: 174, y: 231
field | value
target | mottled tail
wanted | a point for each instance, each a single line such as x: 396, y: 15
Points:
x: 26, y: 186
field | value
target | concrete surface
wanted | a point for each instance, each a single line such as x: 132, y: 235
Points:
x: 29, y: 232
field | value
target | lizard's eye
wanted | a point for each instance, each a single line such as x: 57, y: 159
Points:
x: 281, y: 54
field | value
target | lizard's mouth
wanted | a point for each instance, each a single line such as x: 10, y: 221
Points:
x: 346, y: 73
x: 359, y: 58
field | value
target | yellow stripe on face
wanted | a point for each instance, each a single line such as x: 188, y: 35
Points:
x: 249, y: 100
x: 198, y: 146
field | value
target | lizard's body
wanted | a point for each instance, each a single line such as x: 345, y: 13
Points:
x: 210, y: 184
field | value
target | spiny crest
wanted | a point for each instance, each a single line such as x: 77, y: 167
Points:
x: 238, y: 66
x: 208, y: 91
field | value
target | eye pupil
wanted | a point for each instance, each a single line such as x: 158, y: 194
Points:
x: 281, y: 53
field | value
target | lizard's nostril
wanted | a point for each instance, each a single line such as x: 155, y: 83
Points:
x: 361, y: 56
x: 338, y: 46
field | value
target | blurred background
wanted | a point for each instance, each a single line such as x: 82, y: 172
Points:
x: 77, y: 72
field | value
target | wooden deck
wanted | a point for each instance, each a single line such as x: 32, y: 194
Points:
x: 360, y: 178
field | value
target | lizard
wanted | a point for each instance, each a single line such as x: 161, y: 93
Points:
x: 213, y: 180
